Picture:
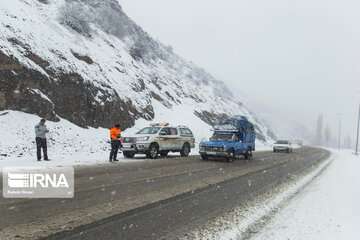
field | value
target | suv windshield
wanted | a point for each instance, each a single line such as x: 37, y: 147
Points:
x: 282, y: 142
x: 149, y: 130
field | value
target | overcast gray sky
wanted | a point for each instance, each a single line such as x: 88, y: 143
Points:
x: 291, y: 57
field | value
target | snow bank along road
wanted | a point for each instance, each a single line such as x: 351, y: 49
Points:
x: 162, y: 199
x: 327, y: 209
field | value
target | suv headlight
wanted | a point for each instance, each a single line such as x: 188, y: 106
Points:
x: 142, y: 139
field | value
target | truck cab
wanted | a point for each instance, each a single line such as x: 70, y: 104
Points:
x: 234, y: 137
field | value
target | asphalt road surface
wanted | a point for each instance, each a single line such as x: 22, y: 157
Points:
x: 158, y: 199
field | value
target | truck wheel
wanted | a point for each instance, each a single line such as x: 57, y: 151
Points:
x: 231, y: 156
x: 153, y: 151
x: 185, y: 151
x: 129, y: 154
x: 204, y: 157
x: 248, y: 155
x: 164, y: 153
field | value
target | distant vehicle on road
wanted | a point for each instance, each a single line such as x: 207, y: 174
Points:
x: 235, y: 137
x: 283, y: 146
x: 159, y: 139
x: 298, y: 142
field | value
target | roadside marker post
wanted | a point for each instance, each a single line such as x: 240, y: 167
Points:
x: 340, y: 132
x: 357, y: 136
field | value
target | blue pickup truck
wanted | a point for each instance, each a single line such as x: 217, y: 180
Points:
x: 232, y: 138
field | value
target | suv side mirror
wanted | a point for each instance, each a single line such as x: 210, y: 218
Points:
x: 162, y: 133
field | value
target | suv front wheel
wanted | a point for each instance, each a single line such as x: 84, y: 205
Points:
x: 153, y: 151
x: 185, y: 151
x: 129, y: 154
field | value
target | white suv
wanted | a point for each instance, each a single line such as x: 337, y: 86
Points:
x: 159, y: 139
x: 283, y: 146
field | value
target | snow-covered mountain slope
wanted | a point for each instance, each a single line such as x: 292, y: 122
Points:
x: 87, y: 62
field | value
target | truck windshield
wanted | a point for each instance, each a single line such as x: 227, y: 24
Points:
x: 224, y: 137
x: 149, y: 130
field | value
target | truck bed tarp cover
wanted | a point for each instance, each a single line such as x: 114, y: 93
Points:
x: 238, y: 123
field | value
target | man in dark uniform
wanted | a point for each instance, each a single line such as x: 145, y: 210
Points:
x: 40, y: 132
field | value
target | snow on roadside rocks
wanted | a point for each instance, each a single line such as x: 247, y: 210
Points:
x: 68, y: 144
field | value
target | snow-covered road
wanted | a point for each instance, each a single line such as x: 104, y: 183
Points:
x: 329, y: 208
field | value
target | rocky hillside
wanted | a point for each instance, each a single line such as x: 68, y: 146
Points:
x: 87, y: 62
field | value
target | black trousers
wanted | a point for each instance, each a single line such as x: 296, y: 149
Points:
x: 115, y: 146
x: 41, y: 144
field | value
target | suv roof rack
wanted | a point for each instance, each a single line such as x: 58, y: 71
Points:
x: 160, y: 125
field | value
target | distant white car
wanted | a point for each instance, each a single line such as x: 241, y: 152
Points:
x: 283, y: 146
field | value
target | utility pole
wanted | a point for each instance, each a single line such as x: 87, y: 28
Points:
x: 339, y: 140
x: 358, y: 132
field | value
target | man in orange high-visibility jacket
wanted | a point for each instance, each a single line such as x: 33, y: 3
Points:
x: 115, y: 135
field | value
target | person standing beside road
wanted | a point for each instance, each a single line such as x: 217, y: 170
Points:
x: 40, y: 132
x: 115, y: 136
